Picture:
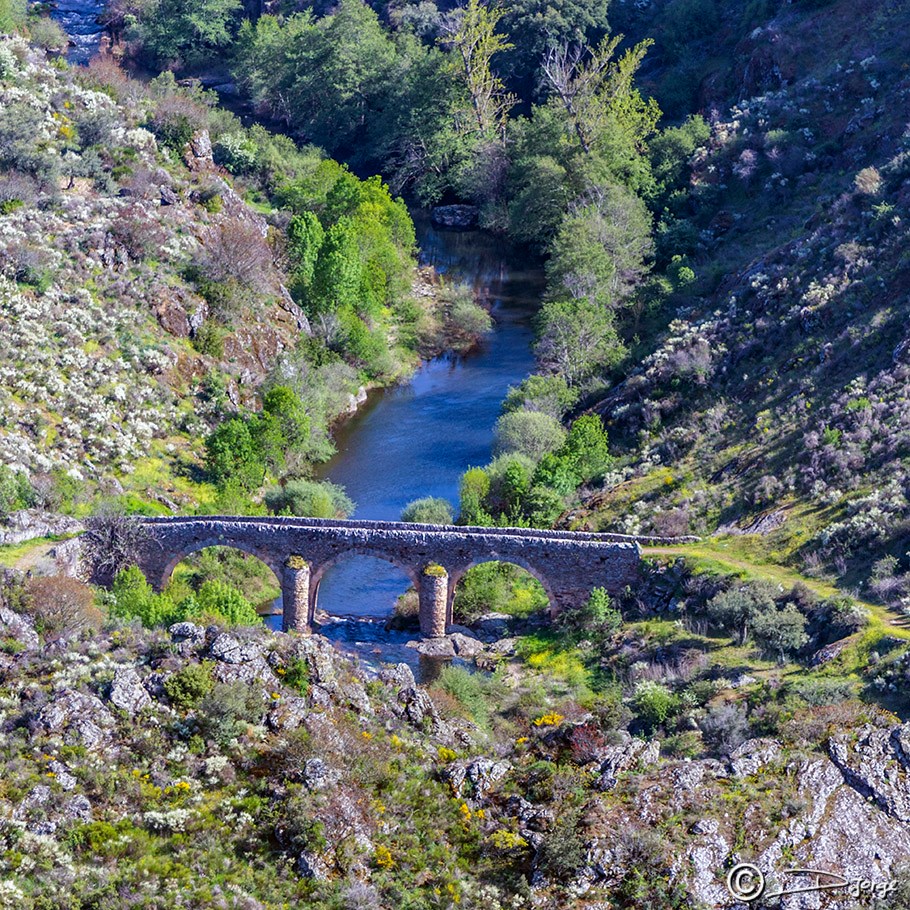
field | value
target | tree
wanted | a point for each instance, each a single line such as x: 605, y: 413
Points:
x: 430, y: 510
x: 174, y: 31
x: 577, y: 340
x: 738, y: 608
x: 475, y: 485
x: 12, y: 15
x: 530, y: 433
x: 305, y: 237
x: 780, y: 632
x: 111, y: 542
x: 601, y: 249
x: 549, y: 394
x: 596, y: 91
x: 63, y: 606
x: 338, y: 272
x: 232, y: 455
x: 220, y: 601
x: 471, y: 31
x: 309, y: 498
x: 587, y: 447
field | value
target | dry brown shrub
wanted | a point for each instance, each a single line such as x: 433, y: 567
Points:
x: 236, y: 251
x: 63, y: 606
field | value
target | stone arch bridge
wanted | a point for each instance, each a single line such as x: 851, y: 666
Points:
x: 435, y: 557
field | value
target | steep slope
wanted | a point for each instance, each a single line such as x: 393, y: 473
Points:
x: 781, y: 379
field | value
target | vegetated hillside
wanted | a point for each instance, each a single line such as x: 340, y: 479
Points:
x: 781, y: 381
x: 147, y: 297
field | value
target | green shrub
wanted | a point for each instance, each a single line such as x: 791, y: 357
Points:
x: 226, y: 710
x: 134, y: 598
x: 188, y: 686
x: 653, y: 703
x: 430, y: 510
x: 222, y: 602
x: 309, y: 498
x: 467, y: 689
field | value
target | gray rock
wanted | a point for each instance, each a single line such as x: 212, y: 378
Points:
x: 434, y: 647
x: 753, y: 755
x: 309, y: 865
x: 80, y: 719
x: 466, y: 645
x: 187, y: 631
x: 317, y: 775
x: 481, y: 773
x: 229, y: 650
x: 875, y: 763
x: 288, y: 714
x: 399, y: 676
x: 78, y: 808
x: 18, y: 627
x: 30, y: 524
x: 455, y: 217
x: 623, y: 756
x: 128, y: 693
x: 62, y: 775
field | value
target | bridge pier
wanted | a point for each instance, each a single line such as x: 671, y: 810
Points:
x: 433, y: 595
x: 295, y: 595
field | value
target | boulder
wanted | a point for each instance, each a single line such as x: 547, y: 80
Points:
x: 753, y: 755
x: 19, y: 628
x: 81, y: 720
x: 187, y: 631
x: 128, y: 693
x: 480, y: 773
x: 876, y: 763
x: 455, y: 217
x: 623, y: 756
x: 288, y: 714
x: 309, y: 865
x: 398, y: 676
x: 229, y: 650
x: 317, y: 775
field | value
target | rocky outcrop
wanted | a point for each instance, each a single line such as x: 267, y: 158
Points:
x: 628, y: 753
x: 18, y: 628
x: 876, y: 763
x: 476, y: 775
x: 753, y: 755
x: 79, y: 719
x: 31, y: 524
x: 127, y: 692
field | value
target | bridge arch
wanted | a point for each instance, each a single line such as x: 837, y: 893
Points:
x: 457, y: 575
x: 318, y: 571
x: 260, y: 553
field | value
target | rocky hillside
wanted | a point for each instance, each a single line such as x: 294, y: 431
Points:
x: 239, y: 768
x: 144, y: 290
x: 779, y: 382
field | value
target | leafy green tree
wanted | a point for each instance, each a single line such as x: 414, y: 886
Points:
x: 338, y: 271
x: 305, y: 237
x: 601, y: 249
x: 172, y: 31
x: 780, y: 632
x: 430, y: 510
x: 737, y: 609
x: 222, y: 602
x: 587, y: 447
x: 603, y: 616
x: 558, y: 473
x: 577, y: 340
x: 530, y: 433
x: 134, y: 598
x: 232, y: 455
x: 472, y: 33
x: 475, y: 485
x: 550, y: 394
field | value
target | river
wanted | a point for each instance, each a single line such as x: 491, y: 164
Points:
x: 417, y: 438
